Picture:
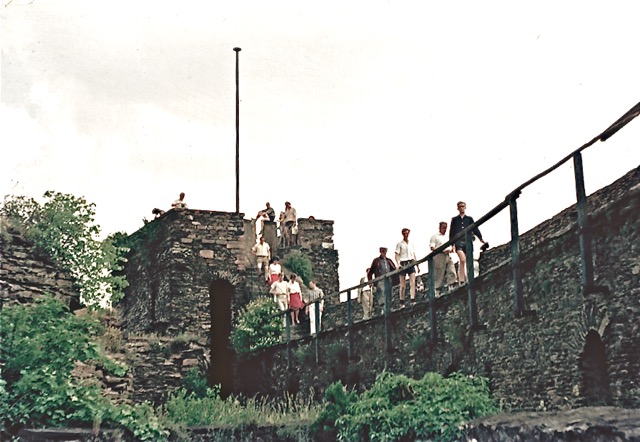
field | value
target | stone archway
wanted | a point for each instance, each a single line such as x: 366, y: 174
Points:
x: 222, y: 355
x: 594, y: 370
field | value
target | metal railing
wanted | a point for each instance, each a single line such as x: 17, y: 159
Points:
x: 587, y: 277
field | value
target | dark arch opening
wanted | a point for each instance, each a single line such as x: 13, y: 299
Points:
x: 594, y: 369
x: 222, y: 355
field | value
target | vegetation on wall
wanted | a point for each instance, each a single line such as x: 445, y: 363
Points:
x: 299, y: 264
x: 64, y: 229
x: 400, y: 408
x: 41, y: 344
x: 258, y: 325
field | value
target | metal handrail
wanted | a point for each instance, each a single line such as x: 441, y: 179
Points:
x: 509, y: 201
x: 621, y: 122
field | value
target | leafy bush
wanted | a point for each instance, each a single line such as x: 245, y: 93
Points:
x: 258, y: 325
x: 337, y: 400
x: 64, y: 229
x: 299, y: 264
x: 401, y: 408
x: 195, y: 382
x: 41, y: 344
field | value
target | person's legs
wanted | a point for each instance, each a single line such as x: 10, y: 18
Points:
x: 450, y: 272
x: 312, y: 319
x: 462, y: 266
x: 412, y: 286
x: 366, y: 304
x: 438, y: 269
x: 380, y: 294
x: 402, y: 286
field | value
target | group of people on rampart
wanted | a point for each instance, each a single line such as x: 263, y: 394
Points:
x: 286, y: 291
x: 445, y: 274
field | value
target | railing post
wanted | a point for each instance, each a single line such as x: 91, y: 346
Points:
x: 473, y: 307
x: 432, y: 298
x: 349, y: 326
x: 583, y: 224
x: 515, y: 257
x: 318, y: 328
x: 387, y: 310
x: 287, y: 315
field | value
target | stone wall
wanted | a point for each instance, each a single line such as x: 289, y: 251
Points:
x: 575, y: 349
x: 26, y: 275
x: 191, y: 272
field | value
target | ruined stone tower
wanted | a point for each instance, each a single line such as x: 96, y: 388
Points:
x: 192, y: 271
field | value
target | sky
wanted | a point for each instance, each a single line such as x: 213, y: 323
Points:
x: 377, y: 115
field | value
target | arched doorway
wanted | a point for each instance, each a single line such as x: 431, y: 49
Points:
x: 594, y: 369
x: 222, y: 356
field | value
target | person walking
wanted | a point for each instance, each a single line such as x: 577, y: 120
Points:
x: 262, y: 251
x: 295, y: 299
x: 274, y: 270
x: 279, y: 291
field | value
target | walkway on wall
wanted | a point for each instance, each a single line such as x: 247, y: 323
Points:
x: 510, y: 201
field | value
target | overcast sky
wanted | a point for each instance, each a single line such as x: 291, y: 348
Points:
x: 377, y: 115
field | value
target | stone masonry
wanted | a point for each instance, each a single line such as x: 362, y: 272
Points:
x: 574, y: 349
x: 26, y: 275
x: 190, y: 272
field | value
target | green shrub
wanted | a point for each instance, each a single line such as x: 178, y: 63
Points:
x: 195, y: 382
x: 257, y: 326
x: 299, y: 264
x: 337, y: 400
x: 41, y: 344
x: 401, y: 408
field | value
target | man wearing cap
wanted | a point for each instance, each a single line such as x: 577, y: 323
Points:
x: 381, y: 266
x: 405, y: 254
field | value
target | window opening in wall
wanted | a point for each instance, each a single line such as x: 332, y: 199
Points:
x: 222, y: 356
x: 594, y: 369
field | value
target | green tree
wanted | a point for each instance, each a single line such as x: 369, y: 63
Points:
x: 64, y: 229
x: 41, y: 344
x: 258, y: 325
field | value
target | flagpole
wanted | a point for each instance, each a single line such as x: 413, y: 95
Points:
x: 237, y: 50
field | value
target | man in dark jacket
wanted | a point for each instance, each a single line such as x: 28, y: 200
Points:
x: 458, y: 224
x: 381, y: 266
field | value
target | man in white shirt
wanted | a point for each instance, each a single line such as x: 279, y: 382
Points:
x: 444, y: 272
x: 279, y: 291
x: 263, y: 253
x: 365, y: 297
x: 405, y: 254
x: 179, y: 203
x: 315, y: 293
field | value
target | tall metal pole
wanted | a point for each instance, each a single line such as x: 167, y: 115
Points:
x: 237, y: 130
